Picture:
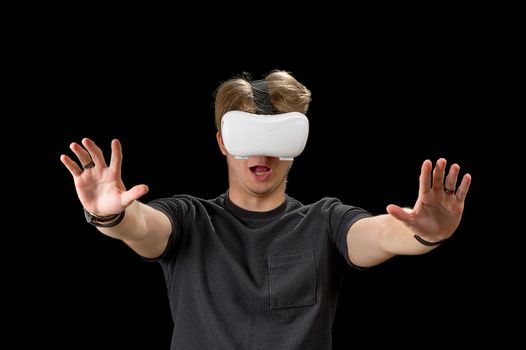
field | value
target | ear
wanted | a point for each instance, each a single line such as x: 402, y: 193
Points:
x: 221, y: 144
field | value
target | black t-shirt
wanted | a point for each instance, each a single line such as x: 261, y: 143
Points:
x: 238, y: 279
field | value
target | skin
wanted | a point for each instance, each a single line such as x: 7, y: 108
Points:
x: 434, y: 217
x: 249, y: 193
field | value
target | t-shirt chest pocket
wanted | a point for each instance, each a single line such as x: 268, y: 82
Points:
x: 292, y: 280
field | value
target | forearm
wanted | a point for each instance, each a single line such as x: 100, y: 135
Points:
x: 398, y: 239
x: 373, y: 240
x: 143, y: 228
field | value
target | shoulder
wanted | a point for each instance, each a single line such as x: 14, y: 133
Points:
x: 325, y: 202
x: 331, y: 205
x: 191, y: 199
x: 188, y: 202
x: 322, y: 205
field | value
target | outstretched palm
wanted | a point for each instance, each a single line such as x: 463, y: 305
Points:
x: 439, y: 206
x: 100, y: 187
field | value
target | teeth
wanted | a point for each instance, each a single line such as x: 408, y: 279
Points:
x: 259, y: 173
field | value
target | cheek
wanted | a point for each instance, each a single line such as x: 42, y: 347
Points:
x: 284, y: 167
x: 235, y: 166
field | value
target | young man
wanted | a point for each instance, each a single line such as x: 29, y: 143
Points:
x: 254, y: 268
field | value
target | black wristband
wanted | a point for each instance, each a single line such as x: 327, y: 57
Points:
x: 427, y: 243
x: 103, y: 221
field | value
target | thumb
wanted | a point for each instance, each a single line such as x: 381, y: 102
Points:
x: 399, y: 213
x: 132, y: 194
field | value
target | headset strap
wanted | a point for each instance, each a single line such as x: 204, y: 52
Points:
x: 261, y: 97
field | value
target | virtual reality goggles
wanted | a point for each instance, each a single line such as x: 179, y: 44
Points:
x: 281, y: 135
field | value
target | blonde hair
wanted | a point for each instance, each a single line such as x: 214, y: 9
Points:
x: 286, y: 95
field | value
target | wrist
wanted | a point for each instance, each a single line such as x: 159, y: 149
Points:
x: 104, y: 221
x: 426, y: 242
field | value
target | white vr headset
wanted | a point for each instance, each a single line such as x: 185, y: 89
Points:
x: 281, y: 135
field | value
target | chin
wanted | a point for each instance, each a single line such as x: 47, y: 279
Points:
x: 260, y: 190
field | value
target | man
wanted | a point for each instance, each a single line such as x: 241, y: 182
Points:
x: 254, y: 268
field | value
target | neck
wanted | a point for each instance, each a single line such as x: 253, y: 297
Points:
x: 259, y: 203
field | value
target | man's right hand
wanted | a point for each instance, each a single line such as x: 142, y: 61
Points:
x: 100, y: 187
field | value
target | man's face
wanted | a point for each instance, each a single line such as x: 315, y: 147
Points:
x: 257, y: 176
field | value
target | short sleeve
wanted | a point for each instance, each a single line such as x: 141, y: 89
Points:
x: 340, y: 219
x: 177, y: 209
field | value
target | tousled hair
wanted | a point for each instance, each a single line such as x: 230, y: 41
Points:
x: 286, y: 94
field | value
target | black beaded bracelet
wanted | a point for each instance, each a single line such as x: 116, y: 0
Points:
x: 103, y: 221
x: 427, y: 243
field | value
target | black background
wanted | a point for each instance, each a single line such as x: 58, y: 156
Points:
x: 378, y: 110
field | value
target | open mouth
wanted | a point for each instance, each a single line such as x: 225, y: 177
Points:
x: 259, y: 170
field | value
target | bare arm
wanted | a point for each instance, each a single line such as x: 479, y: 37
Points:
x: 101, y: 191
x: 145, y: 229
x: 435, y: 216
